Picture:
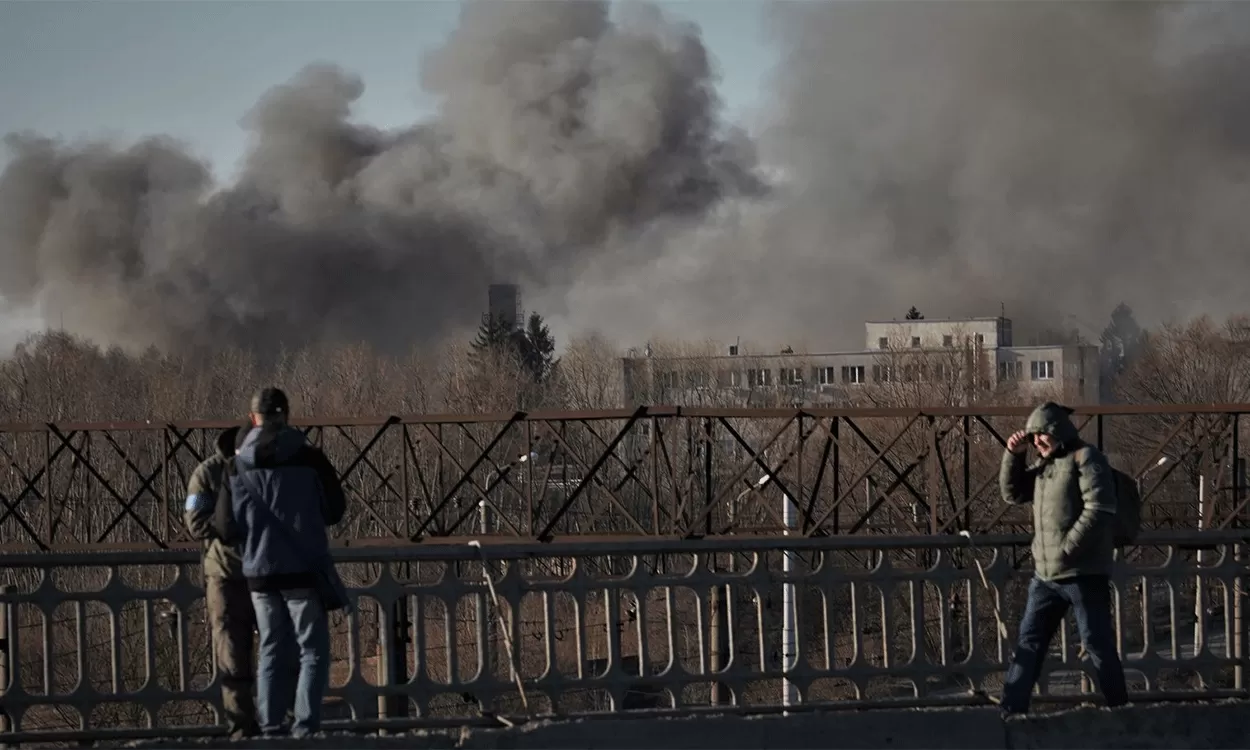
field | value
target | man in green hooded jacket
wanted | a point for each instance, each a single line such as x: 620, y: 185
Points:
x: 1072, y: 491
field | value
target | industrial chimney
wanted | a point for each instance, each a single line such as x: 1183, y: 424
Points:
x: 504, y: 303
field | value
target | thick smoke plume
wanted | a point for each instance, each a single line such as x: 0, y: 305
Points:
x: 1052, y: 157
x: 559, y: 128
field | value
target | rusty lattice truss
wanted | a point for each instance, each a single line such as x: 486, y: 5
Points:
x: 656, y: 471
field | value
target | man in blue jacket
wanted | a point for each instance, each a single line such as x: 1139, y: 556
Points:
x: 284, y: 495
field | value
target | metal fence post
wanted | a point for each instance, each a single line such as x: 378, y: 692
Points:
x: 392, y: 666
x: 1239, y: 644
x: 5, y: 670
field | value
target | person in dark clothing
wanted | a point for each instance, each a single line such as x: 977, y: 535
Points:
x: 284, y: 496
x: 226, y: 596
x: 1072, y: 491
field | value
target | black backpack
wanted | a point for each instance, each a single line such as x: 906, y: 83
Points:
x: 1127, y: 508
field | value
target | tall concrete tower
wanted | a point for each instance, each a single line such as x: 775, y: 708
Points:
x: 504, y: 303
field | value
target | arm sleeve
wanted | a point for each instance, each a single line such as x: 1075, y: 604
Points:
x: 333, y: 501
x: 1098, y: 496
x: 224, y: 522
x: 201, y: 502
x: 1015, y: 479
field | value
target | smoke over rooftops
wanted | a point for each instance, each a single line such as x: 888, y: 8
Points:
x: 1054, y: 157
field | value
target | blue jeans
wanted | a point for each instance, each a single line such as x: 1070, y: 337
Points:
x: 1089, y: 597
x: 294, y: 630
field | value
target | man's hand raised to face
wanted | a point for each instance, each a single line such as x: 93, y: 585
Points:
x: 1019, y: 441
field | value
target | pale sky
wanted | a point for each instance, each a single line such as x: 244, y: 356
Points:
x: 191, y: 69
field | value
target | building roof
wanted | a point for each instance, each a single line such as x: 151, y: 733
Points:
x: 843, y: 353
x: 986, y: 319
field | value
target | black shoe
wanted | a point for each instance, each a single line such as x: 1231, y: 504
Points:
x: 243, y: 733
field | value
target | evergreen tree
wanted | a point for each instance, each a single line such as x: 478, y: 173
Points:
x: 533, y: 347
x: 495, y: 336
x: 539, y: 348
x: 914, y: 314
x: 1122, y: 340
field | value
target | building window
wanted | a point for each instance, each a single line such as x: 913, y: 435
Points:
x: 939, y: 373
x: 915, y: 342
x: 1042, y: 369
x: 948, y: 341
x: 668, y: 380
x: 909, y: 373
x: 826, y: 375
x: 852, y: 374
x: 882, y: 373
x: 735, y: 379
x: 980, y: 340
x: 1010, y: 371
x: 697, y: 379
x: 883, y: 343
x: 759, y: 378
x: 789, y: 376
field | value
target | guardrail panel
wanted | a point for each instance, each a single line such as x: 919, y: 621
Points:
x: 116, y: 644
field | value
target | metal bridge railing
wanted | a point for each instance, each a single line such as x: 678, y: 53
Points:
x: 115, y: 645
x: 650, y: 471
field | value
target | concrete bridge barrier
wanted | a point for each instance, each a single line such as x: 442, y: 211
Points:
x: 1204, y: 725
x: 616, y: 634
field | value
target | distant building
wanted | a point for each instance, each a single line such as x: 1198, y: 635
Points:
x: 961, y: 360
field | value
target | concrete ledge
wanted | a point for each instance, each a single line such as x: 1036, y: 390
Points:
x: 1207, y: 725
x: 1191, y: 725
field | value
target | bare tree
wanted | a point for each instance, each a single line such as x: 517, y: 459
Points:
x: 904, y: 375
x: 1198, y: 362
x: 591, y: 374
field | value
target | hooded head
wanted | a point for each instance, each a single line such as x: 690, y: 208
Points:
x: 269, y: 445
x: 1054, y: 420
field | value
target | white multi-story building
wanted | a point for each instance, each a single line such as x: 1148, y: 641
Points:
x: 955, y: 360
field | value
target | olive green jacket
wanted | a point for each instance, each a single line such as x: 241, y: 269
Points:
x: 219, y: 559
x: 1073, y: 496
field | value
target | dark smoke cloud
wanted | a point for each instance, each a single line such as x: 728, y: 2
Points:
x: 1053, y: 157
x: 558, y: 129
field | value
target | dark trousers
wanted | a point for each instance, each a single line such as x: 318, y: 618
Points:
x: 294, y: 660
x: 1089, y: 598
x: 233, y: 620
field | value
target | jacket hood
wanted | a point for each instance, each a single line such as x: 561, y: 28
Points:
x: 1054, y: 420
x: 270, y: 446
x: 227, y: 441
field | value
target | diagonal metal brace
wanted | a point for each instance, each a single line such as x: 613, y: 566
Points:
x: 545, y: 534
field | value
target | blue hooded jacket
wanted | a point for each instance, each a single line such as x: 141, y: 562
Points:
x: 278, y: 479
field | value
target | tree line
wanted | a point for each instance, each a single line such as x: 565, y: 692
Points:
x: 56, y: 376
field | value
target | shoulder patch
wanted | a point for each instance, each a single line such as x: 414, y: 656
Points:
x: 199, y: 502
